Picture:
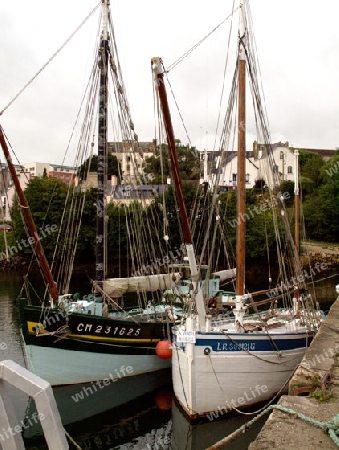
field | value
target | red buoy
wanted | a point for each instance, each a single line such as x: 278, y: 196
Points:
x: 163, y: 349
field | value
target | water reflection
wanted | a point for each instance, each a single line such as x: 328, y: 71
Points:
x: 135, y: 411
x: 146, y: 422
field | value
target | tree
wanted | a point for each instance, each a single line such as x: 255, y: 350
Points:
x: 86, y: 241
x: 260, y: 233
x: 320, y: 210
x: 46, y: 198
x: 287, y: 187
x: 113, y: 167
x: 310, y: 171
x: 117, y: 232
x: 172, y: 218
x: 158, y: 165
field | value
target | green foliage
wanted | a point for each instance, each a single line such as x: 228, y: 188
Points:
x: 287, y: 187
x: 86, y: 241
x: 321, y: 208
x: 113, y: 167
x: 320, y: 396
x: 172, y: 212
x: 310, y: 170
x: 7, y: 239
x: 319, y: 392
x: 258, y: 221
x: 46, y: 198
x: 117, y: 243
x: 189, y: 164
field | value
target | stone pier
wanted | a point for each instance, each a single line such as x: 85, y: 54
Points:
x: 318, y: 371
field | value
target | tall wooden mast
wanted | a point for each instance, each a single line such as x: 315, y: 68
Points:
x: 102, y: 147
x: 239, y: 310
x: 296, y: 202
x: 240, y: 230
x: 53, y: 291
x: 157, y: 67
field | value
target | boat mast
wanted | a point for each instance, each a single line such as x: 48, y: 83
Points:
x: 240, y: 231
x: 102, y: 147
x: 296, y: 201
x: 158, y: 70
x: 241, y: 203
x: 53, y: 291
x: 159, y: 73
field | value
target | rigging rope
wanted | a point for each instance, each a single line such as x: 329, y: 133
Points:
x: 181, y: 58
x: 50, y: 59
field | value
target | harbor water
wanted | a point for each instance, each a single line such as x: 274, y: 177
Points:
x: 129, y: 413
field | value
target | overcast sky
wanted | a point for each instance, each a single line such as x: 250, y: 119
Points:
x: 297, y: 45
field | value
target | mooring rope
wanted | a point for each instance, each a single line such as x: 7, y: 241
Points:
x: 72, y: 440
x: 331, y: 428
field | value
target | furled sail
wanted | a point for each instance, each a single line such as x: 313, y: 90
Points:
x: 225, y: 274
x: 116, y: 287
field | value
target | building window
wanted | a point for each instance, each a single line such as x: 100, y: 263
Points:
x: 234, y: 178
x: 281, y: 155
x: 289, y: 169
x: 275, y: 169
x: 247, y: 178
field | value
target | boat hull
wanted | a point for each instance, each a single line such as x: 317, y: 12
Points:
x: 222, y: 372
x: 86, y: 348
x: 61, y: 366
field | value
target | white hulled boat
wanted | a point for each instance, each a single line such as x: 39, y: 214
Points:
x: 247, y: 359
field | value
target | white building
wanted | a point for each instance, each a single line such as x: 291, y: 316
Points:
x: 272, y: 165
x: 36, y: 169
x: 131, y: 156
x: 228, y: 176
x: 279, y: 159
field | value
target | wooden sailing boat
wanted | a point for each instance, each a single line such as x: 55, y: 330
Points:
x: 243, y: 361
x: 68, y: 340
